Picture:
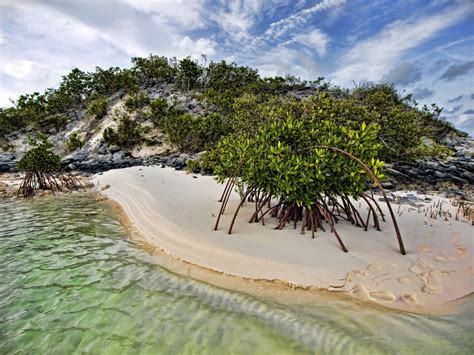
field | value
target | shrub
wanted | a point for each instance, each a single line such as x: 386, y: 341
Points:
x: 136, y: 101
x: 128, y: 133
x: 154, y: 68
x: 193, y: 166
x: 194, y: 134
x: 188, y: 73
x: 158, y: 110
x: 57, y: 122
x: 305, y: 164
x: 40, y: 158
x: 74, y: 142
x: 42, y: 169
x: 97, y: 108
x: 182, y: 131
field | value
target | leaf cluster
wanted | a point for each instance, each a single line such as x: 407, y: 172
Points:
x: 194, y: 134
x: 74, y: 142
x: 97, y: 109
x: 127, y: 134
x: 136, y: 101
x: 40, y: 158
x: 286, y: 160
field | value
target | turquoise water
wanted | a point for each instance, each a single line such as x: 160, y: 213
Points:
x: 71, y: 282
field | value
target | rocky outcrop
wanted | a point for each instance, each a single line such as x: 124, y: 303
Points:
x: 7, y: 162
x: 85, y: 161
x: 456, y: 170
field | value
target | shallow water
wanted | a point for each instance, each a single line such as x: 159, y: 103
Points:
x: 72, y: 282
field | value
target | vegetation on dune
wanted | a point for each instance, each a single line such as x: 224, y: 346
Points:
x: 157, y: 112
x: 74, y: 142
x: 43, y: 169
x: 241, y: 98
x: 194, y: 134
x: 136, y: 101
x: 97, y: 108
x: 127, y: 134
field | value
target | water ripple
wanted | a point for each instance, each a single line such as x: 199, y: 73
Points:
x: 72, y: 282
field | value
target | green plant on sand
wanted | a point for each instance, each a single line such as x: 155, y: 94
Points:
x: 43, y: 169
x: 300, y: 168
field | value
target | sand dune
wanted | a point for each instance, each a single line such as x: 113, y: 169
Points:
x: 177, y: 212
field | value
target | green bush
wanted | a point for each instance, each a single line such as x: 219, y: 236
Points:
x: 285, y: 157
x: 98, y: 108
x: 74, y: 142
x: 188, y: 73
x: 136, y: 101
x: 182, y: 131
x: 40, y: 158
x: 154, y: 68
x: 158, y: 110
x: 127, y: 134
x: 194, y: 134
x: 57, y: 122
x: 193, y: 166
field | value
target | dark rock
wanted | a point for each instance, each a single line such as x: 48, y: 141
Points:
x: 78, y: 155
x: 387, y: 185
x: 6, y: 167
x: 396, y: 173
x: 457, y: 180
x: 6, y: 157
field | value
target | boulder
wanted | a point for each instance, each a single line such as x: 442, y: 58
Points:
x: 118, y: 156
x: 78, y: 155
x: 6, y: 157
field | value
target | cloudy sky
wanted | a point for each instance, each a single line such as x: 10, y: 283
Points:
x: 424, y: 47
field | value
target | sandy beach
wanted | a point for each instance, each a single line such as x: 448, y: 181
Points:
x: 177, y: 211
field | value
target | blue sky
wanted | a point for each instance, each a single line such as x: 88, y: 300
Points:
x: 424, y: 47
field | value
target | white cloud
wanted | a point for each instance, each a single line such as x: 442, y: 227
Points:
x: 182, y: 12
x: 279, y: 28
x: 46, y: 42
x: 281, y: 61
x: 316, y: 39
x: 196, y: 48
x: 372, y: 58
x: 238, y: 17
x: 19, y: 69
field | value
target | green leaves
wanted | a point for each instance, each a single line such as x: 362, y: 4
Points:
x: 136, y: 101
x: 74, y: 142
x: 284, y: 157
x: 40, y: 158
x: 98, y: 108
x: 128, y: 133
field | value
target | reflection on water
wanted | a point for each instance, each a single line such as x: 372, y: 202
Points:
x: 70, y: 281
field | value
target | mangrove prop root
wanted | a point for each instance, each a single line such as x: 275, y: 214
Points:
x: 313, y: 216
x: 379, y: 185
x: 53, y: 181
x: 242, y: 201
x: 226, y: 197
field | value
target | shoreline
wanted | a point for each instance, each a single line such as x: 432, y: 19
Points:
x: 276, y: 290
x: 144, y: 215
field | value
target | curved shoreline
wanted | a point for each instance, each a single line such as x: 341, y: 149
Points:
x: 143, y: 201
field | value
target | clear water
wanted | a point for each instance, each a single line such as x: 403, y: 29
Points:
x: 71, y: 282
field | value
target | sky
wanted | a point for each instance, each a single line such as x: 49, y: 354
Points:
x: 424, y: 47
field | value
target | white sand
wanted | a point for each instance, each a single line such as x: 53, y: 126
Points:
x: 177, y: 213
